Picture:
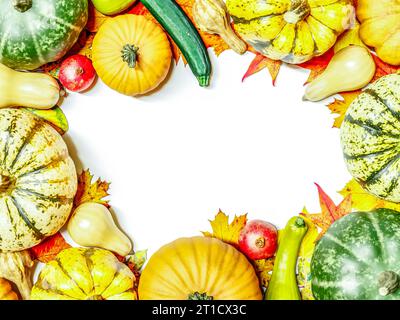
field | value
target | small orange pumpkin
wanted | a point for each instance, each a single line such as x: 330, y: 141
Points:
x: 6, y: 291
x: 131, y: 54
x: 199, y: 268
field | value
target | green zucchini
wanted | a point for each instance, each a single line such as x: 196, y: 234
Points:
x: 283, y: 284
x: 175, y: 21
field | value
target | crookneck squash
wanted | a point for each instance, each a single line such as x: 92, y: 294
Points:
x: 6, y: 291
x: 370, y: 137
x: 198, y: 268
x: 358, y: 258
x: 293, y: 31
x: 35, y: 32
x: 380, y: 27
x: 38, y: 180
x: 85, y: 274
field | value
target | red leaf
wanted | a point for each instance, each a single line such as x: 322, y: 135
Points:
x: 49, y: 248
x: 261, y: 62
x: 317, y: 65
x: 383, y: 68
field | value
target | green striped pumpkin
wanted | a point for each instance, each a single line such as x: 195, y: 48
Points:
x: 359, y: 258
x: 370, y: 137
x: 38, y: 180
x: 35, y: 32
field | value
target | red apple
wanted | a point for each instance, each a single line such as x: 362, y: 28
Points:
x: 258, y: 240
x: 77, y: 73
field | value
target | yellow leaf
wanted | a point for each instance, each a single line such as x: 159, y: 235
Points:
x: 350, y: 37
x: 225, y: 231
x: 91, y: 192
x: 340, y: 106
x: 363, y: 201
x: 264, y: 269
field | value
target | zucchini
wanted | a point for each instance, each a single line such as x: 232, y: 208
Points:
x: 283, y: 284
x: 175, y: 21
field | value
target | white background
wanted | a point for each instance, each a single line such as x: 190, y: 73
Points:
x: 178, y: 155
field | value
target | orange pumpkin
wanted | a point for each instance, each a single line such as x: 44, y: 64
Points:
x: 199, y: 268
x: 6, y: 291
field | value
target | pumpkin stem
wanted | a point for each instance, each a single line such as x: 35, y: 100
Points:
x: 199, y: 296
x: 5, y: 183
x: 388, y: 282
x: 130, y: 54
x: 299, y: 9
x: 22, y: 5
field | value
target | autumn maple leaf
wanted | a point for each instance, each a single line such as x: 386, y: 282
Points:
x: 261, y: 62
x: 317, y: 65
x: 340, y: 106
x: 48, y: 249
x: 89, y: 191
x: 330, y: 212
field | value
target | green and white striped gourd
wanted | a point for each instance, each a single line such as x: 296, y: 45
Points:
x: 370, y: 137
x: 35, y: 32
x: 38, y: 180
x: 359, y: 258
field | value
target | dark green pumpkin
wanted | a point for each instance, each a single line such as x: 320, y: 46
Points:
x: 35, y: 32
x: 359, y: 258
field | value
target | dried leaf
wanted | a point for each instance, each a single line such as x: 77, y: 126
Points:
x: 49, y: 248
x: 317, y: 65
x: 304, y: 260
x: 137, y: 260
x: 91, y: 192
x: 340, y: 106
x: 264, y: 269
x: 261, y: 62
x: 350, y: 37
x: 330, y: 212
x: 363, y: 201
x: 210, y: 40
x: 225, y: 231
x: 96, y: 19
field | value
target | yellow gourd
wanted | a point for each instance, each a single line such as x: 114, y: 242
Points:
x: 350, y: 69
x: 131, y: 54
x: 91, y: 225
x: 293, y: 31
x: 85, y: 274
x: 27, y: 89
x: 199, y: 268
x: 380, y: 27
x: 6, y: 291
x: 211, y: 16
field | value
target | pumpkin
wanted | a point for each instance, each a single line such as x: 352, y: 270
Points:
x: 6, y: 291
x: 293, y: 31
x: 358, y: 258
x: 35, y: 32
x: 199, y: 268
x: 131, y: 54
x: 38, y: 180
x: 380, y: 27
x: 85, y: 274
x: 370, y: 136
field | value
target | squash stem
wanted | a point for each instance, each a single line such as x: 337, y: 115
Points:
x: 22, y: 5
x: 299, y: 10
x: 5, y: 183
x: 199, y: 296
x: 388, y: 282
x: 130, y: 55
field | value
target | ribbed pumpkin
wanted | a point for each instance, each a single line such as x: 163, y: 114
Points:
x: 6, y: 291
x: 293, y: 31
x: 380, y: 27
x: 131, y: 54
x: 35, y: 32
x: 85, y: 274
x: 370, y: 136
x: 359, y: 258
x: 198, y: 268
x: 37, y: 180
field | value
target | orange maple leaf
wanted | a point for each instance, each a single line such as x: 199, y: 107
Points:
x: 88, y: 191
x: 330, y: 212
x: 210, y: 40
x: 49, y: 248
x: 261, y: 62
x: 317, y: 65
x: 383, y: 68
x: 340, y: 106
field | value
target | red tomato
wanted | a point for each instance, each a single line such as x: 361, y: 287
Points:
x: 258, y: 240
x: 77, y: 73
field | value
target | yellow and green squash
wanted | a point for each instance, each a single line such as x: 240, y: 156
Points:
x: 370, y: 136
x: 293, y: 31
x: 38, y: 180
